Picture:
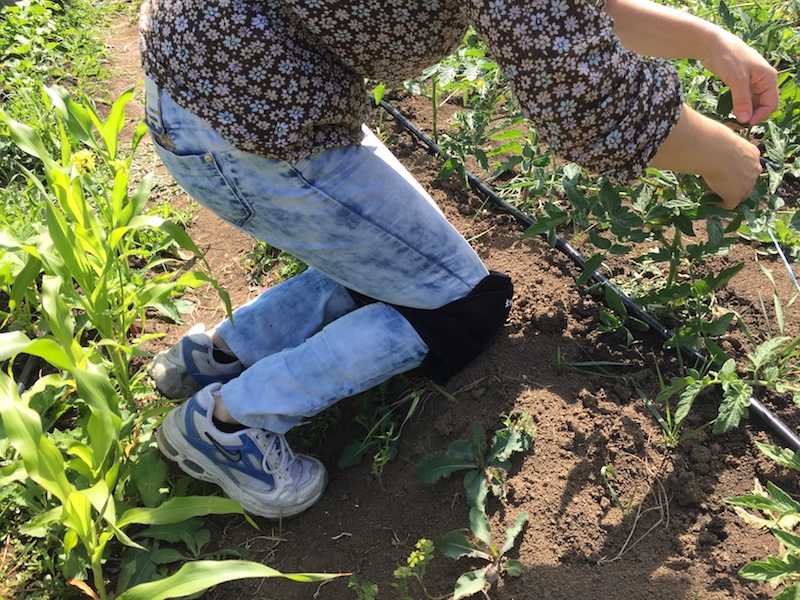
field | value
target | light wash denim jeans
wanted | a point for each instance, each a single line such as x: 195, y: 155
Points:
x: 361, y: 221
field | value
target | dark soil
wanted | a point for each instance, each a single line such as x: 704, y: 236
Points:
x: 676, y: 540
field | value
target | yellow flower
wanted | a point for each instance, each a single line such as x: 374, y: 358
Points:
x: 84, y: 162
x: 119, y: 165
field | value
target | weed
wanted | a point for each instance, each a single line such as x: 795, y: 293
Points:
x: 414, y: 568
x: 384, y: 419
x: 457, y: 545
x: 486, y: 469
x: 774, y: 510
x: 607, y: 473
x: 363, y: 589
x: 264, y: 260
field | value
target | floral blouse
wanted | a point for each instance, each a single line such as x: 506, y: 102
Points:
x: 285, y: 78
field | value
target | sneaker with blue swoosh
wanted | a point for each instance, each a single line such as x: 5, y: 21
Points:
x: 189, y: 366
x: 255, y: 467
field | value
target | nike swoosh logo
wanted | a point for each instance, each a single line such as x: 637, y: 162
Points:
x: 231, y: 456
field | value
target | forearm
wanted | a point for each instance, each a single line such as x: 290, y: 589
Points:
x: 652, y: 29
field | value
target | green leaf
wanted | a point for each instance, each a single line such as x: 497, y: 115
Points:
x: 164, y: 556
x: 28, y: 141
x: 735, y: 402
x: 598, y: 241
x: 12, y: 473
x: 591, y: 265
x: 514, y: 531
x: 353, y: 454
x: 506, y: 442
x: 174, y: 231
x: 455, y: 544
x: 23, y: 426
x: 95, y: 388
x: 180, y: 509
x: 458, y: 457
x: 783, y: 456
x: 470, y: 583
x: 790, y: 593
x: 136, y: 567
x: 783, y: 499
x: 377, y: 93
x: 476, y: 487
x: 14, y: 342
x: 115, y: 123
x: 687, y: 398
x: 615, y: 302
x: 767, y: 570
x: 755, y: 501
x: 201, y: 575
x: 76, y: 116
x: 765, y: 352
x: 791, y: 541
x: 479, y: 524
x: 78, y: 515
x: 514, y: 568
x: 149, y: 476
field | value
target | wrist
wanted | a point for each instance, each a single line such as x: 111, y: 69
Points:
x: 694, y: 145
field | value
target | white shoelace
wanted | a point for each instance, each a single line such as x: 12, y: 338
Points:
x: 267, y: 440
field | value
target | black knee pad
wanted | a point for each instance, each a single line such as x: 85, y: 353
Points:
x: 459, y: 331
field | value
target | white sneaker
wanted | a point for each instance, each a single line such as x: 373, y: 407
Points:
x: 189, y: 366
x: 253, y: 466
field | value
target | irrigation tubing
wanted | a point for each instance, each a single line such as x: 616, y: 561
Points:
x: 756, y: 408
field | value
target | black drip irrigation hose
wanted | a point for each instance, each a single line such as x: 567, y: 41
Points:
x: 756, y: 408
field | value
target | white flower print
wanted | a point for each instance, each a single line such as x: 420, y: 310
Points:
x: 284, y: 78
x: 561, y: 44
x: 559, y: 8
x: 497, y: 8
x: 567, y: 107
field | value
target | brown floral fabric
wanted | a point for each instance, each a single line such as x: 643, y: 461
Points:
x: 285, y: 78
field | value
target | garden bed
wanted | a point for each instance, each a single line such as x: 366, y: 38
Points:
x: 670, y: 535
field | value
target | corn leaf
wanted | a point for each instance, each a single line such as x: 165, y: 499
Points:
x: 200, y: 575
x: 23, y: 426
x: 180, y: 509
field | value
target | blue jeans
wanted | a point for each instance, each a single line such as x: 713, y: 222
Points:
x: 361, y: 221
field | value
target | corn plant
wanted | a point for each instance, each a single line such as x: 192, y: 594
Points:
x: 87, y: 487
x: 92, y: 222
x: 90, y: 300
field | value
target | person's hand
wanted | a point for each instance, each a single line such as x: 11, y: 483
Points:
x: 727, y: 162
x: 734, y: 171
x: 751, y: 79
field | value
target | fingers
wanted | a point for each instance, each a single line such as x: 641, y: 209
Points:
x: 765, y: 92
x: 754, y: 91
x: 742, y: 101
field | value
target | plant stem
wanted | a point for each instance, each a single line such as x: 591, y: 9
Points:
x: 435, y: 108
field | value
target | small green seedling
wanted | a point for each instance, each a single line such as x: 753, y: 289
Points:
x: 363, y: 589
x: 607, y: 473
x: 414, y: 568
x: 456, y: 545
x: 486, y: 468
